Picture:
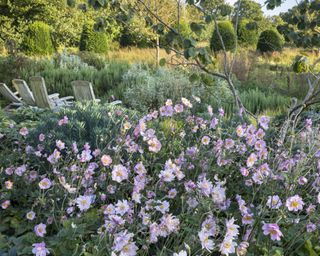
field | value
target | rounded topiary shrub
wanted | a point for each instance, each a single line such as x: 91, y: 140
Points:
x: 300, y: 64
x: 270, y: 41
x: 93, y: 41
x: 228, y: 36
x: 247, y: 33
x: 38, y: 39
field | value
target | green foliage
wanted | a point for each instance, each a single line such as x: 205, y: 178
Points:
x: 145, y: 89
x: 93, y: 41
x: 300, y: 64
x: 66, y: 19
x: 228, y: 36
x: 270, y: 41
x: 38, y: 39
x: 248, y: 9
x: 59, y: 71
x: 302, y: 24
x: 88, y: 123
x: 257, y: 101
x: 247, y: 33
x: 135, y: 33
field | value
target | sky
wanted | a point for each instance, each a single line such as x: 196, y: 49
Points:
x: 287, y: 4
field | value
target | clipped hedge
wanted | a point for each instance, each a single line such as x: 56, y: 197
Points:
x: 270, y: 41
x: 93, y: 41
x: 228, y: 36
x: 38, y: 39
x: 247, y: 33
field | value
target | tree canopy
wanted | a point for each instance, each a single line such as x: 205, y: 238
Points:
x: 302, y: 24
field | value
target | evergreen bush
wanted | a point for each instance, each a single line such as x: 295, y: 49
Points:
x: 270, y: 41
x: 38, y: 39
x: 93, y: 41
x: 228, y: 35
x: 300, y: 64
x: 247, y: 33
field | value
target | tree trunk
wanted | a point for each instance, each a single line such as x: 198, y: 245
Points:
x: 157, y: 51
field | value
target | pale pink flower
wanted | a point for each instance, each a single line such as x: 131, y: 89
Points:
x: 64, y: 120
x: 264, y: 122
x: 5, y: 204
x: 274, y: 202
x: 311, y: 227
x: 122, y: 207
x: 129, y: 249
x: 167, y: 175
x: 294, y: 203
x: 42, y: 137
x: 45, y: 183
x: 60, y: 144
x: 251, y: 160
x: 24, y: 131
x: 39, y: 249
x: 205, y: 240
x: 8, y: 184
x: 119, y: 173
x: 186, y: 102
x: 106, y: 160
x: 84, y: 202
x: 40, y: 229
x: 228, y: 246
x: 240, y: 131
x: 273, y: 230
x: 205, y: 140
x: 302, y: 180
x: 154, y: 145
x: 31, y: 215
x: 181, y: 253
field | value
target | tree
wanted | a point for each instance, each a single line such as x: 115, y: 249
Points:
x: 93, y: 41
x: 248, y: 9
x: 66, y: 19
x: 302, y: 24
x: 37, y: 40
x: 247, y: 33
x: 225, y: 30
x: 270, y: 41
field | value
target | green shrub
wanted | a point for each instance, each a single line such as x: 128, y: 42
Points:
x: 185, y: 31
x: 58, y: 74
x: 38, y: 39
x: 247, y: 33
x: 270, y: 41
x: 300, y: 64
x: 93, y: 41
x: 145, y: 89
x: 88, y: 123
x: 92, y: 59
x: 228, y: 37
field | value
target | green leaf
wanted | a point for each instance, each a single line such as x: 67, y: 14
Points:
x: 162, y: 62
x: 193, y: 78
x: 189, y: 43
x: 309, y: 247
x: 196, y: 27
x: 208, y: 18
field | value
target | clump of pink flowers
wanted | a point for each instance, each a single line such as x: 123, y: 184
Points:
x: 169, y: 179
